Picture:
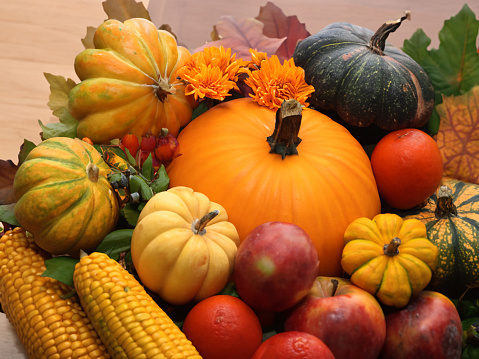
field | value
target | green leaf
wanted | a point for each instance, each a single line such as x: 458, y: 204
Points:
x: 147, y: 169
x: 25, y: 149
x: 131, y: 214
x: 67, y: 127
x: 61, y: 268
x: 7, y: 215
x: 454, y: 67
x: 161, y: 181
x: 138, y: 184
x: 115, y: 243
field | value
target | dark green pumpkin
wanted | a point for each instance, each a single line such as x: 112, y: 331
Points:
x: 363, y: 80
x: 451, y: 217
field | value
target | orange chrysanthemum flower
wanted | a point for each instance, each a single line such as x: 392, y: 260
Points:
x: 256, y: 58
x: 273, y: 83
x: 211, y: 73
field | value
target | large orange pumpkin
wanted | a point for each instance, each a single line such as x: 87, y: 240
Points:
x: 329, y: 183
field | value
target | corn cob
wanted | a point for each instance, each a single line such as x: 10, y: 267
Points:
x: 47, y: 325
x: 129, y: 321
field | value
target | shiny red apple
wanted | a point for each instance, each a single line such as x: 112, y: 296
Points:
x: 276, y: 265
x: 429, y: 327
x: 349, y: 320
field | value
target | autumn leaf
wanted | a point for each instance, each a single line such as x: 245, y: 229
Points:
x: 122, y: 10
x: 458, y: 136
x: 87, y: 41
x: 454, y: 67
x: 58, y: 102
x: 7, y: 174
x: 240, y: 35
x: 278, y: 25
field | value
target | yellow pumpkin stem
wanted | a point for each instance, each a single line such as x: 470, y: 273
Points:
x: 392, y: 249
x: 284, y: 139
x: 198, y: 225
x: 93, y: 172
x: 445, y: 206
x: 164, y: 89
x: 378, y: 40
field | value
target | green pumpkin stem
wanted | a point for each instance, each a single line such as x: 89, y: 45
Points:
x: 93, y: 172
x: 284, y: 139
x: 378, y: 40
x: 445, y: 206
x: 198, y: 225
x: 392, y: 249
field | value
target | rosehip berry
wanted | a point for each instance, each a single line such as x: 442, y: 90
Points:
x: 167, y: 147
x: 130, y: 141
x: 148, y: 143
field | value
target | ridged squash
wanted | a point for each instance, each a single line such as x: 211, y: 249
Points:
x: 64, y: 197
x: 364, y: 80
x: 183, y: 246
x: 129, y: 84
x: 451, y: 216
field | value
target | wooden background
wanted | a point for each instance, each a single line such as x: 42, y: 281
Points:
x: 45, y: 36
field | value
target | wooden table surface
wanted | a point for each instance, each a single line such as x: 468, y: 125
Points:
x: 45, y: 36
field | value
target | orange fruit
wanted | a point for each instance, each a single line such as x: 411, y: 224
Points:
x: 408, y: 167
x: 223, y: 326
x: 293, y: 345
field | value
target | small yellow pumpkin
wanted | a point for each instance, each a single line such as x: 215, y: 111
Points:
x: 389, y: 257
x: 183, y: 247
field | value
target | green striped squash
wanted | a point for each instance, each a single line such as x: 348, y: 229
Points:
x: 364, y: 80
x: 64, y: 197
x: 451, y: 217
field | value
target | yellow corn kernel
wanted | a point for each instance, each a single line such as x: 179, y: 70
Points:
x: 128, y: 320
x: 47, y: 325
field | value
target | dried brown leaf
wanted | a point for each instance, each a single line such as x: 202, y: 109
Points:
x: 87, y: 41
x: 125, y: 9
x: 7, y: 174
x: 278, y: 25
x: 458, y: 136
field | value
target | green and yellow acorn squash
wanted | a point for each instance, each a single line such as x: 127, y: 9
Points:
x: 64, y: 197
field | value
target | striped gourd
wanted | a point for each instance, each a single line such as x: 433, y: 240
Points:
x: 364, y: 80
x: 451, y: 217
x: 64, y: 197
x: 128, y: 320
x: 48, y: 324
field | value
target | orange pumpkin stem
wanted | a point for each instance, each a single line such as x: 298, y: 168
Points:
x: 378, y: 40
x: 198, y: 226
x: 445, y: 206
x: 284, y: 139
x: 392, y: 249
x: 93, y: 172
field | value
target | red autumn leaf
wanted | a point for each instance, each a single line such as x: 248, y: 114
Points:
x: 240, y: 35
x: 278, y: 25
x: 7, y: 174
x: 458, y: 136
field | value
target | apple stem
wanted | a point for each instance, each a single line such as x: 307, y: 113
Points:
x: 445, y: 206
x: 199, y: 224
x: 284, y: 139
x: 335, y: 286
x: 392, y: 249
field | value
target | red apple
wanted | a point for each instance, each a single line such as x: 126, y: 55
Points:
x: 428, y: 327
x: 276, y: 265
x: 293, y: 345
x: 349, y: 320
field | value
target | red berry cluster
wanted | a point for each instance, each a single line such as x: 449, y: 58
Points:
x: 163, y: 148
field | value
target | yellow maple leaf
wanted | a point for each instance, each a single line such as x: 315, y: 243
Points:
x: 458, y: 136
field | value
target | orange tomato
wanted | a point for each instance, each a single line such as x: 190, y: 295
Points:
x: 223, y: 326
x: 408, y: 167
x: 293, y: 345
